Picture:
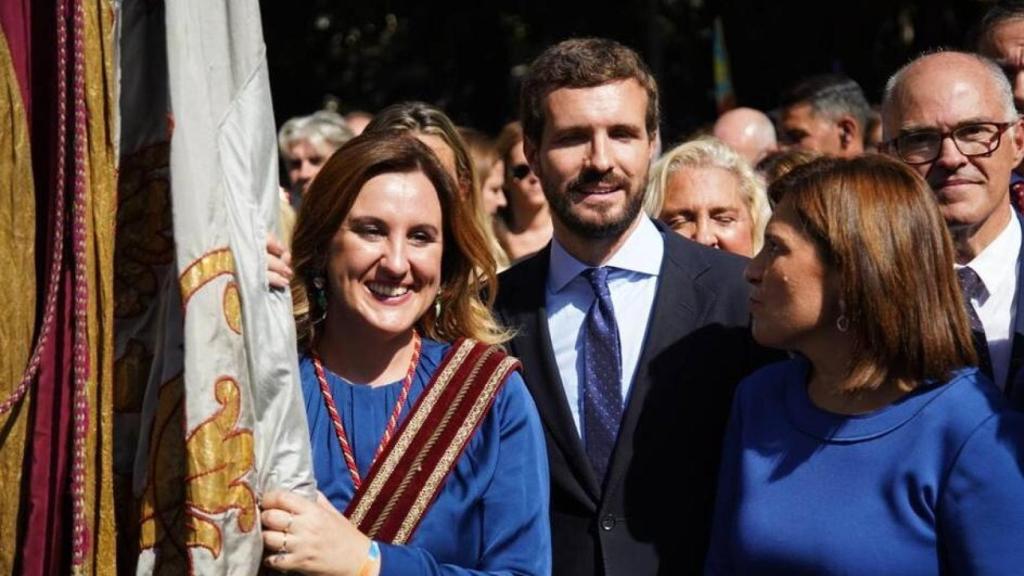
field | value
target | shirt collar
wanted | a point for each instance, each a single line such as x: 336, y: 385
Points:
x: 991, y: 263
x: 640, y: 253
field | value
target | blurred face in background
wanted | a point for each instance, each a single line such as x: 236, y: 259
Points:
x: 803, y: 128
x: 492, y: 189
x: 705, y: 204
x: 303, y: 161
x: 521, y: 184
x: 1005, y: 45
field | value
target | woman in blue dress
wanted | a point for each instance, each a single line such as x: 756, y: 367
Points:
x: 874, y: 450
x: 422, y: 432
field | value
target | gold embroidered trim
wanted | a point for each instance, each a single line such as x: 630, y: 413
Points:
x: 440, y: 471
x: 208, y: 267
x: 434, y: 434
x: 232, y: 306
x: 409, y: 432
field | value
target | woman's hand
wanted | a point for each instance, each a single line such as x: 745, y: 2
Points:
x: 312, y: 538
x: 279, y: 260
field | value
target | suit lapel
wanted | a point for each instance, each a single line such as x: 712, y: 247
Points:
x: 533, y: 346
x: 673, y: 313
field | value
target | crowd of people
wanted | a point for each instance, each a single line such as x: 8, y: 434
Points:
x: 793, y: 344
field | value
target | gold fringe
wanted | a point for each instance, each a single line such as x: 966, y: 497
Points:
x: 17, y: 293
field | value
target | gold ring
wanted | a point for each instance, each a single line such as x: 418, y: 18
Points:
x: 284, y: 544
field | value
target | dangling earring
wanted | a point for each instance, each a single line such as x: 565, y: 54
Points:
x: 437, y: 308
x: 321, y: 298
x: 842, y: 322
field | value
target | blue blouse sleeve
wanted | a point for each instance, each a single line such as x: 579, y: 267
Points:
x: 516, y: 534
x: 980, y: 526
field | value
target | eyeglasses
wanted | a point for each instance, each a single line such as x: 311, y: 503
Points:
x: 924, y: 146
x: 520, y: 171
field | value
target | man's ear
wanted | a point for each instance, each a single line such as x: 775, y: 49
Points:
x: 851, y: 137
x: 1018, y: 141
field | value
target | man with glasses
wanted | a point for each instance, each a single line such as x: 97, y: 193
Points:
x: 950, y: 115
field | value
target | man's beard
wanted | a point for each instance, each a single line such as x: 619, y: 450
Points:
x: 562, y: 204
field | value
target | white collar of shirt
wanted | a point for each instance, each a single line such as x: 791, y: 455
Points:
x: 991, y: 264
x: 641, y: 252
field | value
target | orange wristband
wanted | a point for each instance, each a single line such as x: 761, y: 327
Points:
x: 372, y: 559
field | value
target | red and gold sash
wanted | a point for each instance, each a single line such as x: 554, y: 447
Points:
x: 407, y: 476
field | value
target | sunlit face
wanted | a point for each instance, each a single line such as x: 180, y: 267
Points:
x: 1005, y: 45
x: 384, y: 262
x: 794, y: 295
x: 303, y: 162
x: 492, y: 190
x: 593, y: 157
x: 941, y: 93
x: 705, y: 204
x: 803, y: 128
x: 521, y: 183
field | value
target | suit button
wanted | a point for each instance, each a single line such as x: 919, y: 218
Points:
x: 608, y: 522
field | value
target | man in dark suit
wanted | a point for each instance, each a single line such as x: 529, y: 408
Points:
x: 632, y: 338
x: 951, y: 117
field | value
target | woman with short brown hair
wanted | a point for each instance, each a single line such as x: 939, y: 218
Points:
x: 874, y: 450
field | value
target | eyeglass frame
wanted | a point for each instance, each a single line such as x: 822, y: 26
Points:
x: 997, y: 139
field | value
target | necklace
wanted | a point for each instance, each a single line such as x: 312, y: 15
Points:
x: 339, y: 428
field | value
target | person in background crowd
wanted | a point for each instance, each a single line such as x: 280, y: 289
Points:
x: 826, y: 114
x: 422, y: 430
x: 489, y: 169
x: 526, y: 224
x: 488, y: 185
x: 631, y: 337
x: 873, y: 132
x: 749, y: 132
x: 706, y: 192
x: 875, y: 450
x: 1000, y: 36
x: 781, y: 162
x: 950, y: 116
x: 306, y: 142
x: 357, y: 120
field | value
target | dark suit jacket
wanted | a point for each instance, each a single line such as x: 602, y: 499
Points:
x: 653, y: 513
x: 1015, y: 376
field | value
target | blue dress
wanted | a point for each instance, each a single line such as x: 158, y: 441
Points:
x: 931, y: 484
x: 491, y: 515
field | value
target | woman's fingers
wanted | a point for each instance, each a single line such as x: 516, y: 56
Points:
x: 276, y: 519
x: 279, y: 259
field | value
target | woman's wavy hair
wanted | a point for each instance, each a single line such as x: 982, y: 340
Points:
x: 877, y: 224
x: 467, y: 268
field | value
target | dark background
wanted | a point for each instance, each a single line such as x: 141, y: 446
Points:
x: 467, y: 58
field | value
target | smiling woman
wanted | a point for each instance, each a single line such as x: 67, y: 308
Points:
x: 418, y: 420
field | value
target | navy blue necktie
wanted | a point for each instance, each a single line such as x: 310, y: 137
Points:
x: 602, y: 378
x: 971, y: 285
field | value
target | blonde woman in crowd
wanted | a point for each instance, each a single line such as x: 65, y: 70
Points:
x: 706, y: 192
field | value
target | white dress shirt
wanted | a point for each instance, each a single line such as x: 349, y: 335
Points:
x: 632, y: 281
x: 996, y: 304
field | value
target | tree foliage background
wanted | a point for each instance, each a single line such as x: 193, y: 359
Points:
x: 467, y: 57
